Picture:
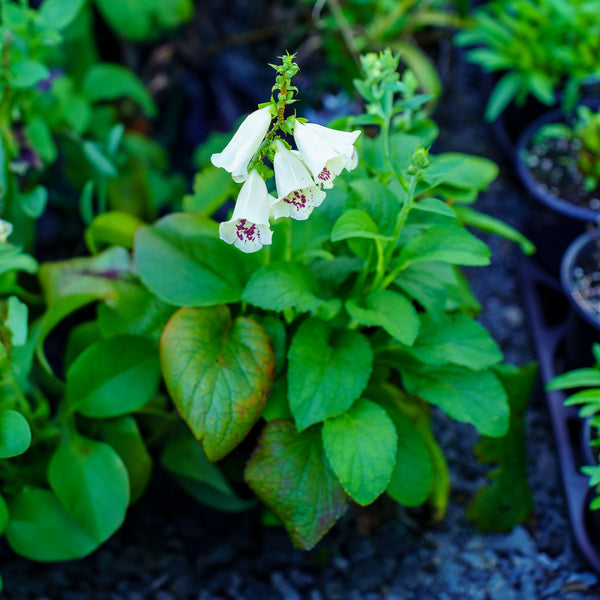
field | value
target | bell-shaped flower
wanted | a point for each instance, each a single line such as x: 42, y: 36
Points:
x: 297, y: 193
x: 236, y: 156
x: 248, y: 229
x: 326, y: 152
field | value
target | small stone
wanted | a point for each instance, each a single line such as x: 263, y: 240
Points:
x: 533, y: 160
x: 499, y: 589
x: 514, y: 316
x: 584, y: 580
x: 546, y: 164
x: 595, y: 203
x: 284, y: 587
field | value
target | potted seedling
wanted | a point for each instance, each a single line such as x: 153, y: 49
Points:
x: 585, y: 384
x: 558, y: 162
x: 539, y: 53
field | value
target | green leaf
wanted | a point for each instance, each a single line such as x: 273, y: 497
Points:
x: 106, y: 81
x: 33, y: 203
x: 219, y: 372
x: 327, y: 371
x: 58, y: 14
x: 507, y: 500
x: 281, y: 285
x: 39, y: 135
x: 181, y: 260
x: 98, y: 159
x: 389, y: 310
x: 355, y: 223
x: 456, y: 339
x: 27, y: 73
x: 140, y: 21
x: 433, y: 205
x: 475, y: 397
x: 360, y: 445
x: 587, y: 377
x: 288, y: 471
x: 91, y: 482
x: 133, y: 310
x: 123, y: 436
x: 113, y: 377
x: 504, y: 91
x: 412, y: 478
x: 453, y: 245
x: 40, y: 528
x: 461, y: 171
x: 489, y: 224
x: 15, y: 433
x: 113, y: 228
x: 203, y: 480
x: 212, y: 187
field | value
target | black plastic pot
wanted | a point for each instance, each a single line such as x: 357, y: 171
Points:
x: 583, y: 320
x: 547, y: 309
x: 553, y: 222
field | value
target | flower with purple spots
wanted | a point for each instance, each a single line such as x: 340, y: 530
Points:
x: 326, y: 152
x: 249, y: 228
x: 297, y: 193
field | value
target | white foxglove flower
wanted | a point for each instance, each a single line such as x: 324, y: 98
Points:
x: 297, y: 193
x: 248, y: 229
x: 326, y: 152
x: 236, y: 156
x: 6, y: 229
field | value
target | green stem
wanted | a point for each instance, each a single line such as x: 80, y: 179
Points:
x: 380, y: 283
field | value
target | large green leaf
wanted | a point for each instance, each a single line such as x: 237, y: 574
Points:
x: 282, y: 285
x: 182, y: 261
x: 107, y: 81
x: 390, y: 310
x: 360, y: 445
x: 114, y: 377
x: 475, y: 397
x: 328, y: 370
x: 40, y: 528
x: 91, y: 482
x: 456, y: 339
x: 453, y: 245
x: 15, y: 433
x: 290, y: 474
x: 58, y: 14
x: 219, y: 372
x: 124, y: 436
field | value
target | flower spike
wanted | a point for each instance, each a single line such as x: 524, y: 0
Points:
x: 248, y: 229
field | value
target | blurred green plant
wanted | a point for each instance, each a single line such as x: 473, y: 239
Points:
x: 547, y: 49
x: 413, y: 27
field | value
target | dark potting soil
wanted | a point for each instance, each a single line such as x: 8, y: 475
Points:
x: 171, y: 548
x: 586, y: 278
x: 553, y: 163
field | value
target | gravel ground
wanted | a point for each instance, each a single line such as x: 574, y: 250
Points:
x: 173, y: 549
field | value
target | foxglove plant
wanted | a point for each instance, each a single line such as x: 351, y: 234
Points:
x: 306, y: 372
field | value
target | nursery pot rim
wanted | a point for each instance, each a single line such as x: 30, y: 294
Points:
x: 570, y: 290
x: 532, y: 185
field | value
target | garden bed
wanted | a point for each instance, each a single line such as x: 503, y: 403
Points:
x: 172, y: 548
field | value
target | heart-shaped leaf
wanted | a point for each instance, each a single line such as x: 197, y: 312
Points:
x: 91, y: 482
x: 40, y: 528
x: 360, y: 445
x: 290, y: 474
x: 328, y: 370
x: 219, y: 372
